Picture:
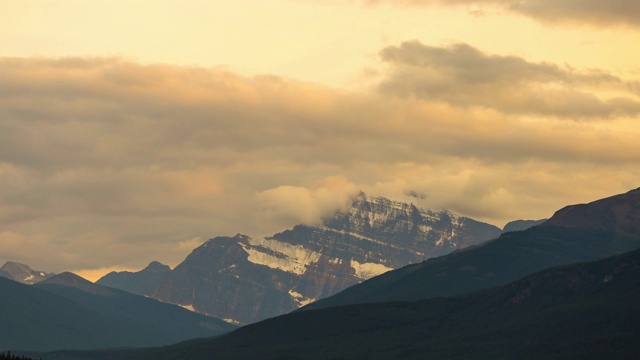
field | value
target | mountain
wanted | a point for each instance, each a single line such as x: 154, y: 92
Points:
x: 618, y: 214
x: 560, y: 240
x: 580, y: 311
x: 244, y: 280
x: 521, y: 225
x: 5, y: 275
x: 142, y: 282
x: 32, y: 318
x: 69, y: 312
x: 22, y: 273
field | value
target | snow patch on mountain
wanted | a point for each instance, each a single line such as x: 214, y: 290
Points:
x: 280, y: 255
x: 188, y: 307
x: 300, y: 299
x: 368, y: 270
x: 232, y: 321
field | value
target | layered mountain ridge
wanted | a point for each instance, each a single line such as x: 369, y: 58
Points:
x: 243, y: 280
x: 67, y: 311
x: 582, y: 309
x: 506, y: 298
x: 585, y: 310
x: 573, y: 234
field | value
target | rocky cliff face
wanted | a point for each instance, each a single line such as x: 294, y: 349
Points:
x: 22, y: 273
x: 244, y: 280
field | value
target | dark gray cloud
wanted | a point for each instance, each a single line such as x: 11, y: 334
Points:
x: 591, y: 11
x: 464, y: 76
x: 596, y: 12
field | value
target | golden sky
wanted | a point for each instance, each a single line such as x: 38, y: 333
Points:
x: 132, y: 131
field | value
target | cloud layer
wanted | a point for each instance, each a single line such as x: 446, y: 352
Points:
x: 105, y: 162
x: 464, y: 76
x: 596, y: 12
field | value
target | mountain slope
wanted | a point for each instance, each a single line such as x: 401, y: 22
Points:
x: 618, y: 214
x: 587, y: 310
x: 22, y: 273
x: 513, y: 255
x: 521, y: 225
x: 66, y: 311
x: 32, y: 318
x: 245, y: 280
x: 142, y: 282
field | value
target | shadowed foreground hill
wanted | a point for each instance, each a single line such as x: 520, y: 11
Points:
x: 69, y: 312
x: 588, y: 310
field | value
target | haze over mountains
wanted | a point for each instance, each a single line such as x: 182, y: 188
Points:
x: 467, y: 303
x: 581, y: 310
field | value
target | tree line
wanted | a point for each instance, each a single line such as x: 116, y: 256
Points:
x: 8, y: 356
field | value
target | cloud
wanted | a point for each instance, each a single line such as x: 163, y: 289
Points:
x: 108, y: 163
x: 464, y: 76
x: 596, y: 12
x: 590, y: 11
x: 291, y: 205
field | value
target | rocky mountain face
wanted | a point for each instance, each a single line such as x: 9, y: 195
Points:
x: 243, y: 280
x: 22, y: 273
x: 142, y: 282
x: 574, y: 234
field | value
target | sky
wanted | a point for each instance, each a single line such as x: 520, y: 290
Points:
x: 133, y: 131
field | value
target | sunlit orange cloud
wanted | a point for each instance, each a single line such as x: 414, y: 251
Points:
x: 107, y: 161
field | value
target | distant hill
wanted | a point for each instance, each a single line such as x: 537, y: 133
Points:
x: 558, y: 241
x: 22, y: 273
x: 580, y: 311
x: 69, y: 312
x: 521, y: 225
x: 142, y: 282
x: 617, y: 214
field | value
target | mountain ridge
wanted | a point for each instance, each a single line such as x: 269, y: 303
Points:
x: 22, y: 273
x: 582, y: 310
x: 512, y: 255
x: 244, y: 279
x: 142, y: 282
x: 68, y: 311
x: 619, y: 214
